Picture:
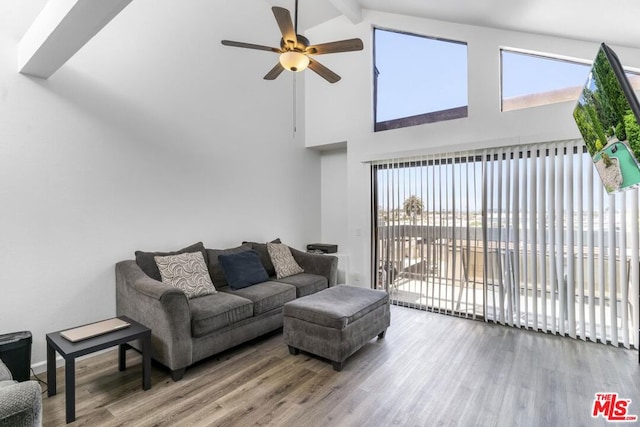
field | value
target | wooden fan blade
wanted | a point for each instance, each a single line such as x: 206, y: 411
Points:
x: 323, y: 71
x: 250, y: 46
x: 275, y: 72
x: 335, y: 47
x: 283, y: 18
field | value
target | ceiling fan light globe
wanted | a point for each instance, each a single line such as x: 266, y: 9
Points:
x: 294, y: 61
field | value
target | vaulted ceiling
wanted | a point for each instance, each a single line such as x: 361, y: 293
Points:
x: 611, y: 21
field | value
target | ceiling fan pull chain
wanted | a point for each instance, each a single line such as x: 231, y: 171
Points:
x: 295, y: 115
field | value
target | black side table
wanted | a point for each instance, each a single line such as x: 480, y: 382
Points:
x: 70, y: 350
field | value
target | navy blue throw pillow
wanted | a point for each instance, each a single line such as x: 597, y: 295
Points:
x: 242, y: 269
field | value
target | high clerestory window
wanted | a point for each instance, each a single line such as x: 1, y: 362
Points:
x: 530, y: 80
x: 418, y: 79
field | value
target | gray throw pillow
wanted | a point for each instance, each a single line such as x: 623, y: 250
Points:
x: 283, y: 261
x: 187, y: 272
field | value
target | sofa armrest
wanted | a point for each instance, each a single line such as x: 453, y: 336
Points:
x: 160, y: 307
x: 20, y: 403
x: 323, y: 265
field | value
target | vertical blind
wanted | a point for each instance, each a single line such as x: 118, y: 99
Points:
x: 523, y: 236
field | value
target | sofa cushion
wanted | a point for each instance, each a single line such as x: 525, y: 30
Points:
x: 261, y: 248
x: 265, y: 296
x: 147, y: 263
x: 283, y: 261
x: 215, y: 270
x: 242, y: 269
x: 213, y: 312
x: 306, y: 283
x: 187, y: 272
x: 336, y: 307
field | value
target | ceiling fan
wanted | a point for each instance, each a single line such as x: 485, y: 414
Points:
x: 295, y: 50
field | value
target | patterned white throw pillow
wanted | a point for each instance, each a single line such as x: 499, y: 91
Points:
x: 282, y: 260
x: 187, y: 272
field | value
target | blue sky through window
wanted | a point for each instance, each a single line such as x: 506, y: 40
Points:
x: 418, y: 75
x: 524, y: 74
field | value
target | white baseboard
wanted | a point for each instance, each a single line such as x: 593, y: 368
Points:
x: 41, y: 367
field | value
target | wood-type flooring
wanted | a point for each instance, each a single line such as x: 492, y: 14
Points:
x: 429, y: 370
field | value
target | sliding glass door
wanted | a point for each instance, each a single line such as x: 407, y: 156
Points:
x: 428, y: 234
x: 523, y: 236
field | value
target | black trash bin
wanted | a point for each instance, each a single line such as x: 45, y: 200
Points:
x: 15, y: 352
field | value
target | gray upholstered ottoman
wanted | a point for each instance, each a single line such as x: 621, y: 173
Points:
x: 334, y: 323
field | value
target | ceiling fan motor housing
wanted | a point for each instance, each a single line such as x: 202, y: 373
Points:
x: 300, y: 45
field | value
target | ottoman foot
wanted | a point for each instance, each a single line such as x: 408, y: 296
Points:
x: 381, y: 334
x: 337, y: 366
x: 293, y: 350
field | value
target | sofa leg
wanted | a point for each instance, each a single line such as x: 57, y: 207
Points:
x: 337, y: 366
x: 381, y: 334
x: 293, y: 350
x: 177, y: 374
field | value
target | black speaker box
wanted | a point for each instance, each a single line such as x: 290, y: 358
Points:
x: 323, y: 247
x: 15, y: 352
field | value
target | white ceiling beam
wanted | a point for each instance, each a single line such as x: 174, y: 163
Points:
x: 349, y: 8
x: 61, y: 29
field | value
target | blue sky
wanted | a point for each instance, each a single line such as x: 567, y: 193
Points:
x: 421, y: 75
x: 524, y: 74
x: 418, y: 75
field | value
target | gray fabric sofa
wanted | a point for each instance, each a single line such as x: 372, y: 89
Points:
x: 20, y: 402
x: 185, y: 331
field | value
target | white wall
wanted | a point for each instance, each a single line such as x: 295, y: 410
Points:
x: 154, y: 136
x: 334, y: 197
x: 344, y: 111
x: 334, y: 206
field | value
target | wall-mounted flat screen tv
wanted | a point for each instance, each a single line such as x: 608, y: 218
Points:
x: 607, y: 114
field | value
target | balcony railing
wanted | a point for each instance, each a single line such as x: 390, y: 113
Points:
x: 428, y: 268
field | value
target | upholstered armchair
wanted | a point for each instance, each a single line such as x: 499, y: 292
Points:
x: 20, y: 402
